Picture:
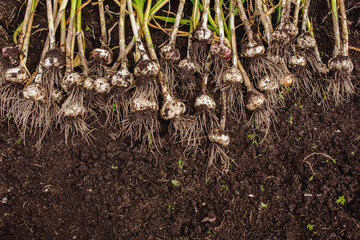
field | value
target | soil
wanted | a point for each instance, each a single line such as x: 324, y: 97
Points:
x: 285, y: 187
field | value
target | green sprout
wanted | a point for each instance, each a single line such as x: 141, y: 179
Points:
x: 262, y: 188
x: 175, y: 183
x: 170, y: 208
x: 310, y: 226
x: 341, y: 200
x: 263, y: 205
x: 114, y: 167
x: 180, y: 163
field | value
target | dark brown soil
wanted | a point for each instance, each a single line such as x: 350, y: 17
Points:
x: 283, y: 188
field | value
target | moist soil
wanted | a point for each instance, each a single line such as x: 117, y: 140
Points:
x: 283, y: 187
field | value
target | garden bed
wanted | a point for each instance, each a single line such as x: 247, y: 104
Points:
x: 301, y: 182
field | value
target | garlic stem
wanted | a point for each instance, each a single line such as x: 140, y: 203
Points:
x: 305, y: 16
x: 177, y: 22
x: 345, y: 29
x: 245, y: 20
x: 296, y: 12
x: 336, y: 27
x: 103, y: 38
x: 220, y: 21
x: 50, y: 18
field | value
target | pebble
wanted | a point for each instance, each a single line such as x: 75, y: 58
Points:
x: 108, y: 176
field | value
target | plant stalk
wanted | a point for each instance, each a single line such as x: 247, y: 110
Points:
x: 336, y: 27
x: 345, y: 29
x: 305, y: 16
x: 50, y: 18
x: 79, y: 36
x: 245, y: 20
x: 25, y: 23
x: 25, y: 47
x: 103, y: 38
x: 220, y: 21
x: 177, y: 22
x: 69, y: 37
x: 296, y: 12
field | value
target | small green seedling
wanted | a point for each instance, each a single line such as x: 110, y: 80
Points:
x: 262, y: 188
x: 175, y: 183
x: 114, y: 167
x: 310, y: 226
x: 291, y: 119
x: 224, y: 187
x: 252, y: 138
x: 170, y: 208
x: 114, y: 107
x: 180, y: 163
x: 341, y: 200
x: 311, y: 178
x: 263, y: 205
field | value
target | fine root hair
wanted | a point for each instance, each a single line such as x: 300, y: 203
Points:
x: 220, y: 64
x: 33, y: 117
x: 186, y: 131
x: 261, y: 65
x: 198, y: 52
x: 235, y: 101
x: 143, y: 126
x: 117, y: 107
x: 187, y: 84
x: 169, y: 69
x: 97, y: 69
x: 74, y: 126
x: 341, y: 87
x: 219, y: 160
x: 51, y: 78
x: 147, y: 88
x: 4, y: 65
x: 9, y: 93
x: 207, y: 120
x: 262, y: 119
x: 273, y: 99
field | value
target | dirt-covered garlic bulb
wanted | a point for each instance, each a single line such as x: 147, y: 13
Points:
x: 103, y: 55
x: 16, y: 75
x: 305, y: 41
x: 70, y: 80
x: 254, y: 100
x: 287, y: 80
x: 267, y: 84
x: 297, y: 60
x: 170, y: 53
x: 123, y: 78
x: 34, y: 91
x: 172, y: 108
x: 145, y: 67
x: 232, y: 75
x: 203, y: 34
x: 219, y: 136
x: 142, y: 104
x: 102, y: 85
x: 12, y: 54
x: 222, y: 50
x: 88, y: 83
x: 54, y: 58
x: 204, y: 100
x: 188, y: 65
x: 341, y: 63
x: 252, y: 49
x: 74, y: 110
